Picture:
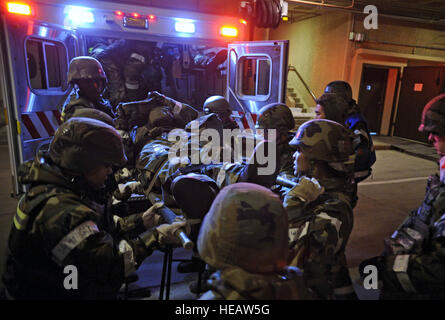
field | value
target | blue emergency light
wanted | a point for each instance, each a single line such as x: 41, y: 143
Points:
x: 184, y: 26
x: 79, y: 15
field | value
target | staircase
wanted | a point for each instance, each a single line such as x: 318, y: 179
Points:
x: 300, y: 112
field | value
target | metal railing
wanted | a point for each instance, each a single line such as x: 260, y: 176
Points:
x: 292, y: 68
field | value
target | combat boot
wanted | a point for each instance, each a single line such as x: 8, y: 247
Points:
x: 194, y: 265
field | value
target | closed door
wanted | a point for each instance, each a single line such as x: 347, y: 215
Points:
x: 419, y: 85
x: 372, y: 95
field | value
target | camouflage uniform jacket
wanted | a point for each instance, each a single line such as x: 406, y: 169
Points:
x: 237, y: 284
x: 75, y: 102
x: 318, y: 233
x: 414, y: 266
x: 56, y: 225
x: 154, y: 162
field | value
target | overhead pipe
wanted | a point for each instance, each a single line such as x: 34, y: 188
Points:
x: 323, y: 4
x: 401, y: 44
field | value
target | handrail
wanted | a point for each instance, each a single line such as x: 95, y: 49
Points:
x: 292, y: 68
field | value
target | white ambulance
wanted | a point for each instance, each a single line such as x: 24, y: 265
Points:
x: 38, y: 39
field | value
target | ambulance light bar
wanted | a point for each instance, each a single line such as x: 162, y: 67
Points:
x: 19, y: 8
x: 184, y: 26
x: 229, y: 31
x: 79, y: 15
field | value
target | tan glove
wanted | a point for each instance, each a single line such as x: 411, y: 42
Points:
x: 168, y: 232
x: 307, y: 189
x: 151, y: 217
x: 124, y: 191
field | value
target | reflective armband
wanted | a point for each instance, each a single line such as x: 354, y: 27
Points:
x: 72, y: 240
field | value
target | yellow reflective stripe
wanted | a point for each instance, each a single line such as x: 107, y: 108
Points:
x: 20, y: 218
x: 21, y: 214
x: 19, y: 129
x: 17, y: 224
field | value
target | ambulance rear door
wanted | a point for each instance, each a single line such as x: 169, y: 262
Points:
x: 256, y: 76
x: 34, y: 59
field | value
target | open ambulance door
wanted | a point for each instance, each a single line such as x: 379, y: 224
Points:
x: 34, y: 58
x: 256, y: 76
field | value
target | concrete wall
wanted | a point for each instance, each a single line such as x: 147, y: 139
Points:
x: 319, y: 49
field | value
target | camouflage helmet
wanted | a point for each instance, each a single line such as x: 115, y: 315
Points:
x: 85, y: 67
x: 324, y: 140
x: 246, y: 226
x: 340, y: 87
x: 433, y: 116
x: 276, y: 116
x: 216, y: 104
x: 92, y: 114
x: 80, y: 144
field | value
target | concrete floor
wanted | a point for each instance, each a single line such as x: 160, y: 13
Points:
x: 396, y: 187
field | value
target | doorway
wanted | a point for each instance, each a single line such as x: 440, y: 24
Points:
x: 372, y: 93
x: 419, y: 85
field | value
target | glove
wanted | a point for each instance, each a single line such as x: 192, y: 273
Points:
x: 378, y: 262
x: 124, y: 191
x: 307, y: 189
x: 151, y: 218
x: 156, y: 96
x: 167, y: 232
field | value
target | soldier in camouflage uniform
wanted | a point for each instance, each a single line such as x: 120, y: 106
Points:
x: 144, y: 121
x: 273, y: 116
x: 413, y: 264
x: 356, y: 122
x: 58, y: 223
x: 278, y: 116
x: 243, y: 236
x: 89, y: 80
x: 320, y: 207
x: 124, y: 62
x: 156, y: 165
